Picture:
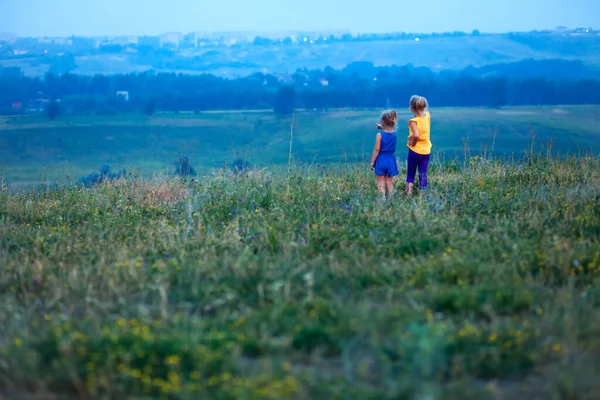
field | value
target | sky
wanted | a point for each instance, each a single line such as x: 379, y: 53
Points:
x: 149, y: 17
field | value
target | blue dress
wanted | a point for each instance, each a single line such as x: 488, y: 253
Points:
x: 385, y: 164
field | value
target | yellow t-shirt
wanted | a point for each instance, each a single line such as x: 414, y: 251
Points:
x: 423, y: 145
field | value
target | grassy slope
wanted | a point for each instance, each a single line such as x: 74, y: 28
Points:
x: 307, y: 288
x: 437, y: 53
x: 31, y: 148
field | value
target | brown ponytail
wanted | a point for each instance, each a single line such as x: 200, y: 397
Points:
x: 418, y: 104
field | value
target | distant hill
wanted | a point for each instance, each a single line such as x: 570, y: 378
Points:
x: 549, y: 69
x: 555, y: 69
x: 282, y: 58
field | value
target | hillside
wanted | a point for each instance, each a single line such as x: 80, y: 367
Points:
x: 305, y: 286
x: 281, y: 59
x: 33, y: 148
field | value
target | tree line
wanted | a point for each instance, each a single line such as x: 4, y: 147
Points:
x: 360, y: 85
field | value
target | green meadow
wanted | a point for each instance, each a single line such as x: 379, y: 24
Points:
x: 34, y: 149
x: 302, y: 284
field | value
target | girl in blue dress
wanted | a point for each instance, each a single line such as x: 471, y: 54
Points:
x: 383, y: 161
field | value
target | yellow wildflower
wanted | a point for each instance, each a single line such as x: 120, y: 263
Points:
x: 172, y: 360
x: 556, y: 347
x: 195, y: 375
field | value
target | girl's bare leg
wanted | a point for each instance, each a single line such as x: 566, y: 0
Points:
x: 409, y: 187
x: 381, y: 185
x: 389, y: 182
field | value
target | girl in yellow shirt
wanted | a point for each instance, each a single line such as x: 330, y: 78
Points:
x: 419, y: 143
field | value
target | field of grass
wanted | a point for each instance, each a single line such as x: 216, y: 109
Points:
x: 33, y: 149
x: 306, y: 286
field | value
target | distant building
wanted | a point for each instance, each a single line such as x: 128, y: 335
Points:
x: 150, y: 41
x: 38, y: 105
x: 582, y: 30
x: 56, y: 41
x: 125, y: 40
x: 191, y: 40
x: 123, y: 95
x: 561, y: 30
x: 171, y: 38
x: 8, y: 37
x: 97, y: 42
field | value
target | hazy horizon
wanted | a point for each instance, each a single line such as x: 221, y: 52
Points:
x: 135, y: 17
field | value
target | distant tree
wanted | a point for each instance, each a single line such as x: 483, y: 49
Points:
x: 240, y: 165
x: 111, y: 48
x: 285, y: 100
x: 12, y: 72
x: 261, y: 105
x: 183, y: 167
x: 475, y: 32
x: 499, y: 93
x: 104, y: 175
x: 89, y: 104
x: 63, y: 64
x: 527, y: 82
x: 150, y: 107
x: 261, y: 41
x: 53, y: 109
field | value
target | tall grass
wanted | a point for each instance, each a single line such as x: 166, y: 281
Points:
x: 234, y: 287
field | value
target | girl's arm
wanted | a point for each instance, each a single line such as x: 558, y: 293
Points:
x: 376, y: 150
x: 415, y: 133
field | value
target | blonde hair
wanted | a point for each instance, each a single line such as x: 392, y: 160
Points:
x: 419, y: 104
x: 389, y: 118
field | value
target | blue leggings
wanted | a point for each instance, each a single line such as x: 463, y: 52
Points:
x: 420, y: 161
